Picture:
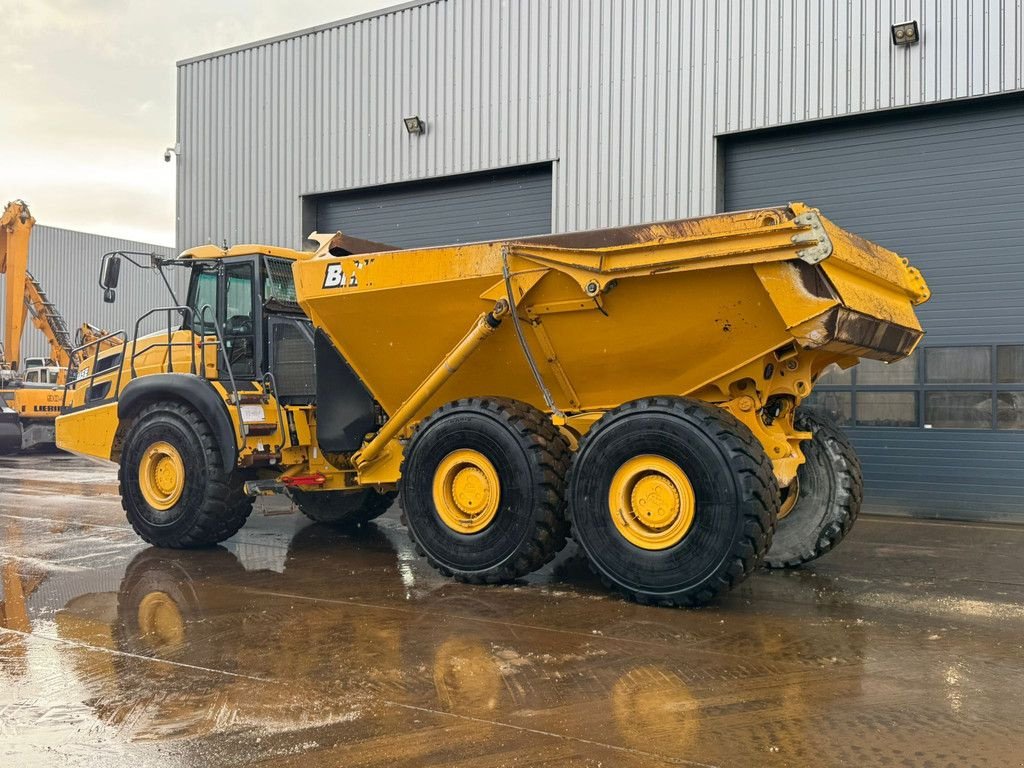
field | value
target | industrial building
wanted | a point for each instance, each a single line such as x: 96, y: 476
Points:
x: 459, y: 120
x: 66, y: 263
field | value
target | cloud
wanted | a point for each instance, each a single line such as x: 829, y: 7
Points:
x: 86, y: 117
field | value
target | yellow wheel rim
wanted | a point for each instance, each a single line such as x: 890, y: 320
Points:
x: 160, y: 621
x: 792, y: 497
x: 651, y: 502
x: 466, y: 491
x: 161, y: 475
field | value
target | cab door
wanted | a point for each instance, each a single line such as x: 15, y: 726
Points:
x: 239, y: 319
x: 225, y: 291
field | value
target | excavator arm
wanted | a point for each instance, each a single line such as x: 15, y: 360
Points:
x: 16, y: 224
x: 48, y: 319
x: 88, y: 333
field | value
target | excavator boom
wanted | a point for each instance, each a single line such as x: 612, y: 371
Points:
x: 16, y: 224
x: 24, y: 295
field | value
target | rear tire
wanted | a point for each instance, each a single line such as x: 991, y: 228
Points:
x: 175, y: 489
x: 513, y: 504
x: 342, y: 508
x: 830, y: 488
x: 695, y: 514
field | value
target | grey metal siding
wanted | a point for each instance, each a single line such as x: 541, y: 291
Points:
x: 943, y: 188
x: 66, y: 263
x: 458, y: 210
x: 627, y: 96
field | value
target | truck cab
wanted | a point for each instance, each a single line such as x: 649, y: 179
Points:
x: 236, y: 349
x: 249, y: 300
x: 239, y: 324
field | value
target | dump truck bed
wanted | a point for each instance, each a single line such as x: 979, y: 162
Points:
x: 612, y: 315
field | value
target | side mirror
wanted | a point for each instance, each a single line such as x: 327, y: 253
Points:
x: 110, y: 271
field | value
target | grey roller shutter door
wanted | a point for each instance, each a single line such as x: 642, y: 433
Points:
x: 945, y: 188
x: 459, y: 209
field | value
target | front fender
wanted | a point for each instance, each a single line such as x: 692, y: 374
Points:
x: 187, y: 388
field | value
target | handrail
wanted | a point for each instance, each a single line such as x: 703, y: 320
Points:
x: 76, y: 354
x: 186, y: 314
x: 206, y: 318
x: 270, y: 381
x: 227, y: 362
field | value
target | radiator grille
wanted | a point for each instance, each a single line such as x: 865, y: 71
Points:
x: 293, y: 361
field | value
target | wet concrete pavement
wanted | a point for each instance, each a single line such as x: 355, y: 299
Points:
x: 296, y: 645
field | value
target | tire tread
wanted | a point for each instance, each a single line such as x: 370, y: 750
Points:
x: 757, y: 483
x: 850, y: 481
x: 538, y: 436
x: 225, y: 506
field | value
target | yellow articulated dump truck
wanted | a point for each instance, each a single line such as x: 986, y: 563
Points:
x: 635, y: 388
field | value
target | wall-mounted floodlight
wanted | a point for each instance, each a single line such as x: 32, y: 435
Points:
x: 905, y: 33
x: 414, y: 125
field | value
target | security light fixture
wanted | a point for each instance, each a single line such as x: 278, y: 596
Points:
x: 414, y: 125
x: 905, y: 33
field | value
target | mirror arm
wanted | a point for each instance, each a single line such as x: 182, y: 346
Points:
x: 160, y: 269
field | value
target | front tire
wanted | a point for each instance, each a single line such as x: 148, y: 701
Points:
x: 672, y: 500
x: 342, y: 508
x: 175, y: 489
x: 829, y: 487
x: 482, y: 489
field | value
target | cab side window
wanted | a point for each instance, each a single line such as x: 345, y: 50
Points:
x: 204, y: 293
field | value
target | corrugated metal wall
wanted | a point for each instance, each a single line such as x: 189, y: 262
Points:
x: 67, y: 264
x: 626, y: 95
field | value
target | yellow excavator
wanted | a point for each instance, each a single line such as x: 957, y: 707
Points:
x: 31, y: 387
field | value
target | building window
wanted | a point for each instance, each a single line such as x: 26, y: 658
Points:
x: 838, y: 405
x: 958, y: 365
x: 887, y: 409
x: 947, y: 387
x: 887, y: 374
x: 1010, y: 364
x: 958, y: 410
x: 1010, y: 410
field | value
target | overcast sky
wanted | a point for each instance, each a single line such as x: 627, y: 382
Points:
x: 87, y: 99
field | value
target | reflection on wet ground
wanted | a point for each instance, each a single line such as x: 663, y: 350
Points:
x: 297, y: 645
